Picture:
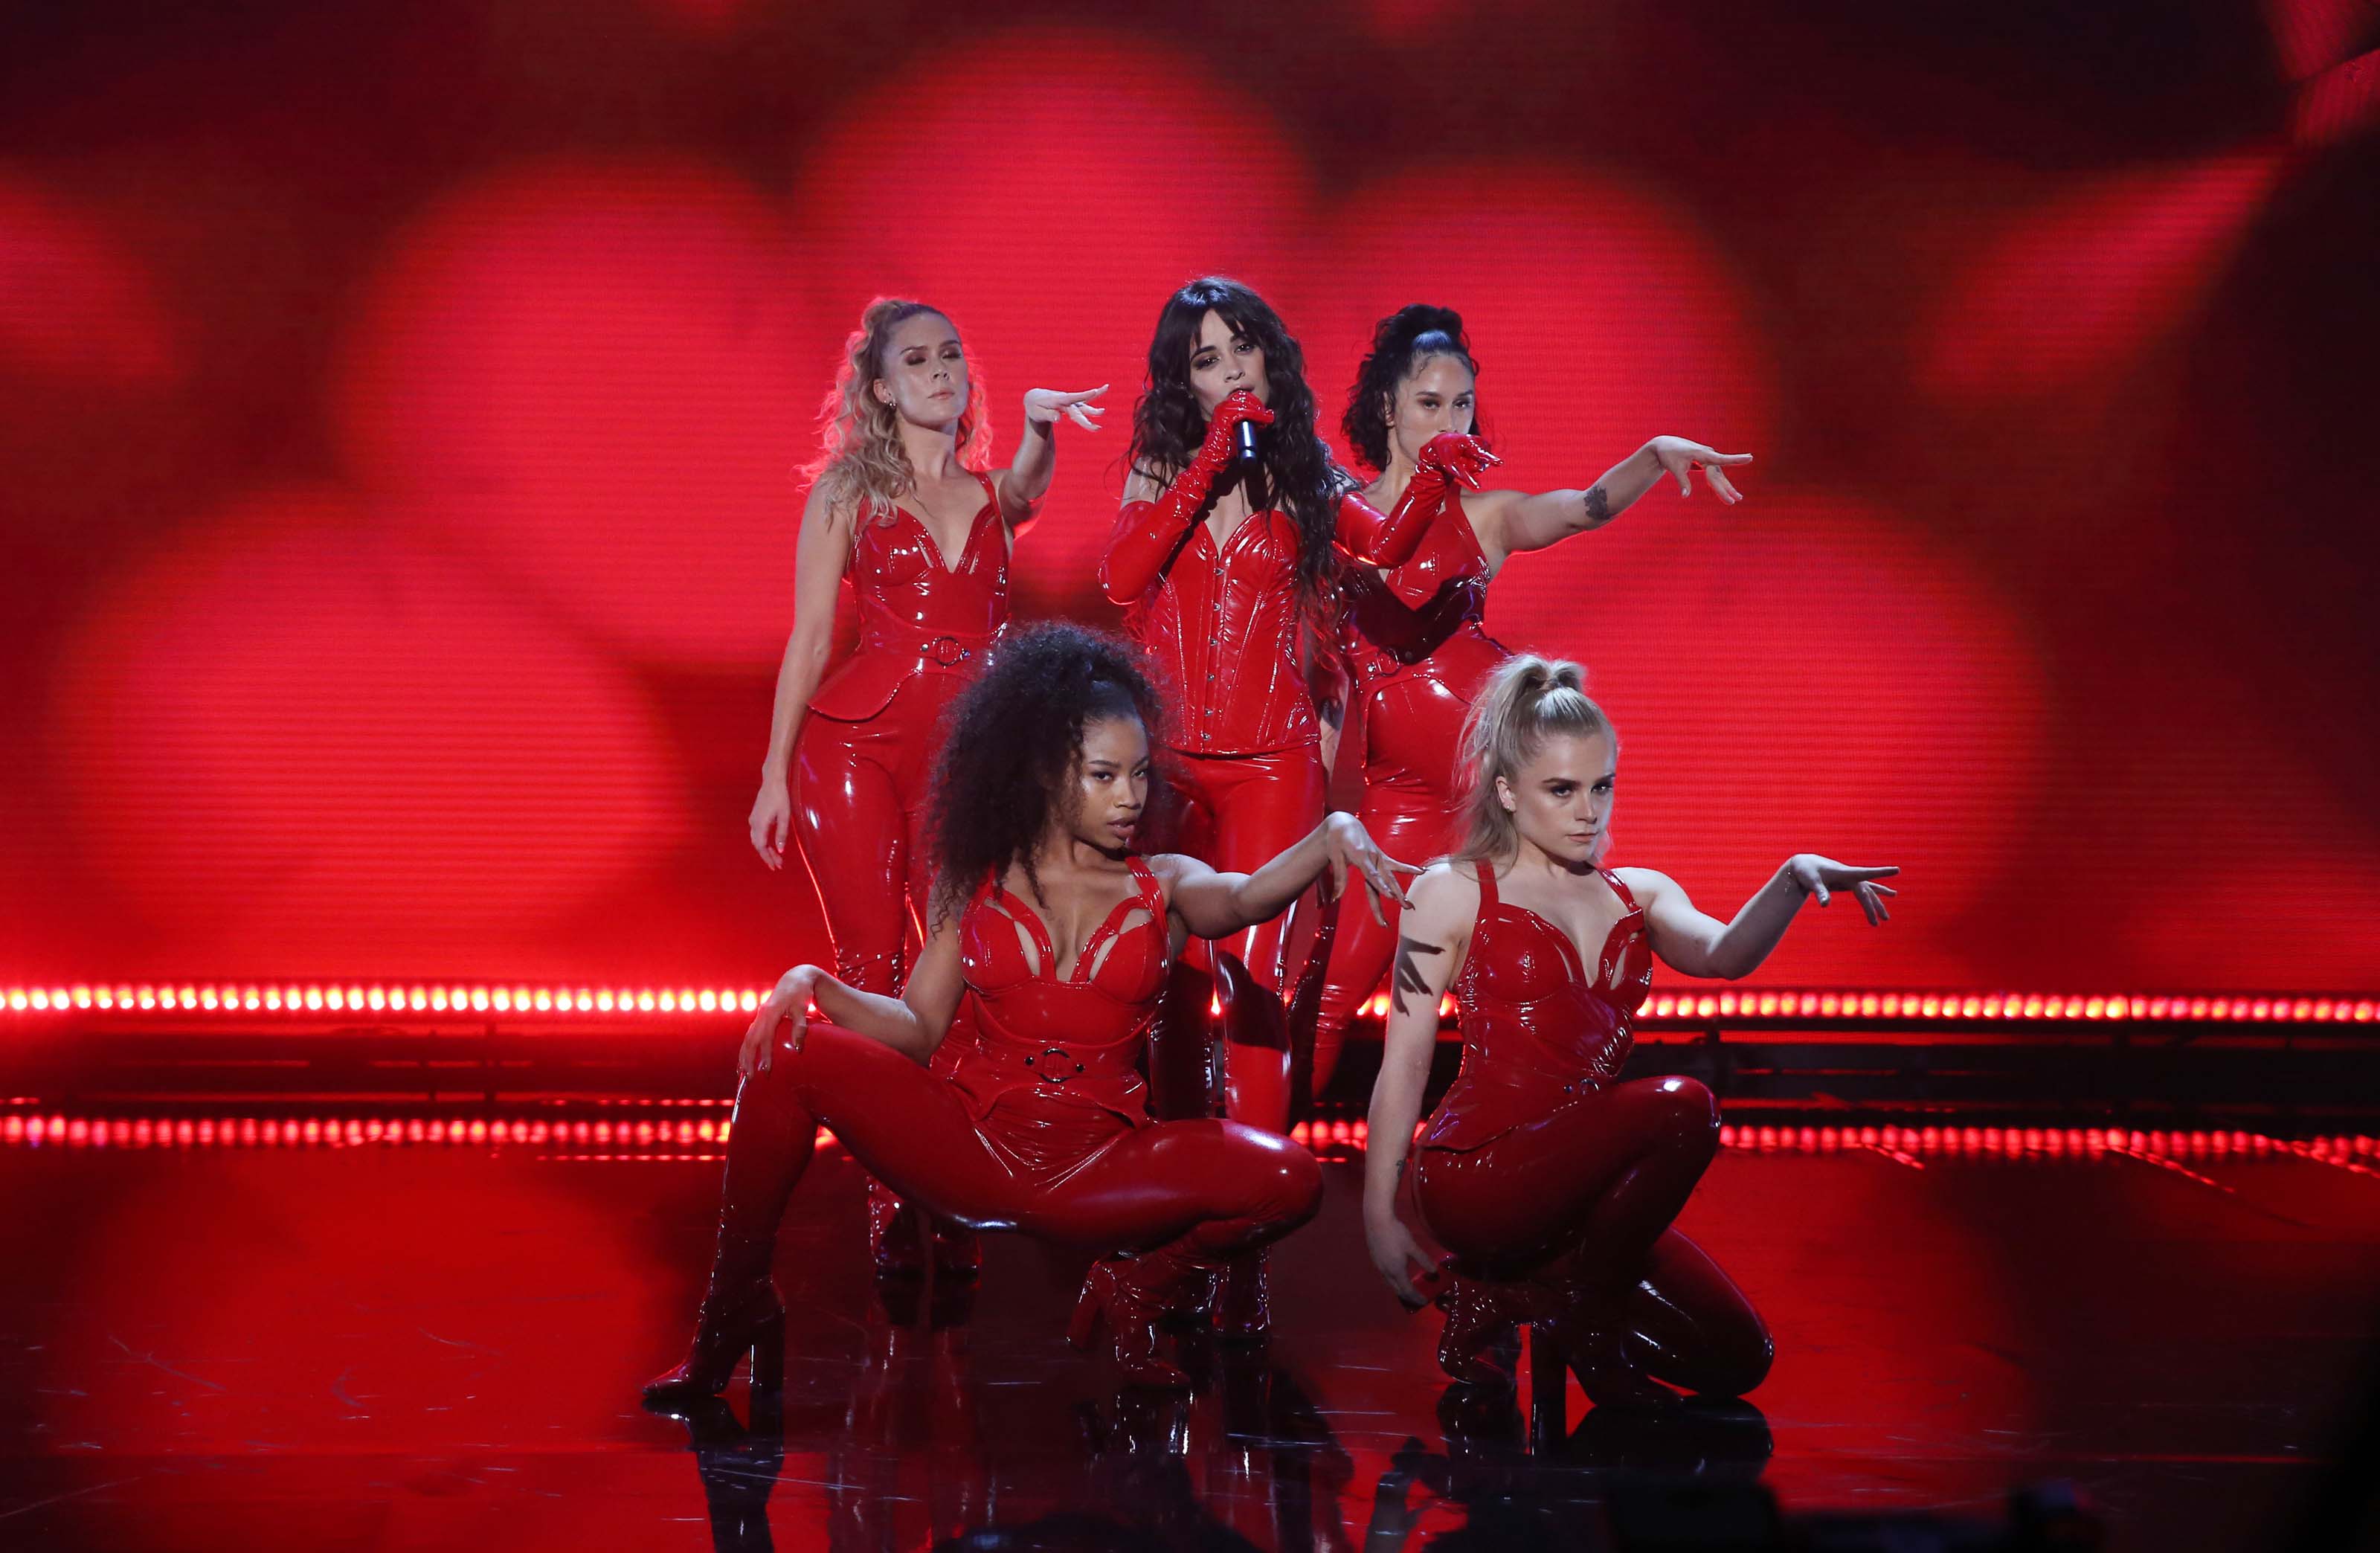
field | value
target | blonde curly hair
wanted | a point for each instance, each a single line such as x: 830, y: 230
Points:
x: 861, y: 464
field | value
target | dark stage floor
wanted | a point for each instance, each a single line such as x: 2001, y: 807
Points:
x: 440, y: 1347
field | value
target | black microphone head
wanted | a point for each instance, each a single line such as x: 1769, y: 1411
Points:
x: 1247, y: 435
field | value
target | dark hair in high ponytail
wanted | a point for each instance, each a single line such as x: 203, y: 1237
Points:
x: 1400, y: 344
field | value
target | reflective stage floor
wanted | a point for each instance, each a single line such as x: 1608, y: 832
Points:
x: 417, y: 1347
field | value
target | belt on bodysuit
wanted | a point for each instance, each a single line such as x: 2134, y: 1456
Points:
x: 942, y: 653
x: 1058, y: 1066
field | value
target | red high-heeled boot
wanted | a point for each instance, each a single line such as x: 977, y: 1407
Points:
x: 1592, y: 1327
x: 740, y: 1315
x: 1480, y: 1315
x: 1133, y: 1294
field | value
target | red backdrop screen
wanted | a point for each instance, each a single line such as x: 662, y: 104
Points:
x: 400, y: 410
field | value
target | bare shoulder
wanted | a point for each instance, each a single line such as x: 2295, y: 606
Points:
x: 1649, y: 885
x: 1445, y: 901
x: 1143, y: 484
x: 1173, y: 869
x: 824, y: 510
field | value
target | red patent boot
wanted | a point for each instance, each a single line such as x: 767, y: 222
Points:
x: 1243, y: 1311
x: 1132, y: 1295
x: 893, y: 1238
x: 1481, y: 1318
x: 740, y: 1315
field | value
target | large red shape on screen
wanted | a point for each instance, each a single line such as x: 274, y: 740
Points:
x: 596, y: 378
x: 1077, y: 180
x: 314, y: 749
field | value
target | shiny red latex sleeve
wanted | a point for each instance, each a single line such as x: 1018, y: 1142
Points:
x: 1148, y: 533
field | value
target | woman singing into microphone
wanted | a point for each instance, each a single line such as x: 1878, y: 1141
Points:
x: 901, y: 507
x: 1222, y: 560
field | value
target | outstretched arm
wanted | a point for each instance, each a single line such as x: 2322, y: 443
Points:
x: 1026, y: 479
x: 1511, y: 521
x: 1214, y: 905
x: 912, y: 1023
x: 1701, y: 945
x: 1431, y: 938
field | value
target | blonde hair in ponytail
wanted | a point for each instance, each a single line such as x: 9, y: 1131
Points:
x: 861, y: 464
x: 1527, y: 701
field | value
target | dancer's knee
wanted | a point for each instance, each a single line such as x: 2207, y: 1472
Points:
x: 1279, y: 1182
x: 1685, y: 1113
x: 1741, y: 1357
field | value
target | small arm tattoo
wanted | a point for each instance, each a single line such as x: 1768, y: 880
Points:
x: 1409, y: 977
x: 1599, y: 507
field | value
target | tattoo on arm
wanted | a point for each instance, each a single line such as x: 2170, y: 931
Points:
x: 1409, y: 977
x: 1599, y: 507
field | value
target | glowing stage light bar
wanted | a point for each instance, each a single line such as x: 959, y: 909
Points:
x: 688, y: 1137
x: 242, y: 1001
x: 312, y: 1002
x: 1692, y: 1008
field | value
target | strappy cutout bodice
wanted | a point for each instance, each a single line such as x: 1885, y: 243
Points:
x: 1005, y: 947
x: 1041, y: 1037
x: 1518, y: 956
x: 1536, y: 1029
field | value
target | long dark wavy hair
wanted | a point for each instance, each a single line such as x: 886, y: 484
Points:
x: 1400, y: 343
x: 1009, y: 749
x: 1300, y: 477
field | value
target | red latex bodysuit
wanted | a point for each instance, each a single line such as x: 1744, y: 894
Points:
x: 1413, y: 642
x: 1038, y: 1124
x: 1220, y: 626
x: 866, y: 750
x: 1554, y: 1184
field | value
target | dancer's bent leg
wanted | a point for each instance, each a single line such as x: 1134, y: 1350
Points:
x: 1700, y: 1332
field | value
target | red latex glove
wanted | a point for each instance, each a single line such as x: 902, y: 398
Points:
x: 1148, y: 533
x: 1449, y: 460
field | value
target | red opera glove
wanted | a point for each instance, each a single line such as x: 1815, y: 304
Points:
x: 1456, y: 456
x: 1146, y: 533
x: 1448, y: 459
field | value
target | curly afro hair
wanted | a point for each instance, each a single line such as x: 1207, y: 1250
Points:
x: 1009, y: 747
x: 1400, y: 344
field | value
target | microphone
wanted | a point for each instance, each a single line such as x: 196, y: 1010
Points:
x: 1247, y: 431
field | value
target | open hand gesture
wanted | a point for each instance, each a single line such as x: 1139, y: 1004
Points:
x: 1822, y: 876
x: 1680, y: 456
x: 1044, y: 406
x: 1350, y: 847
x: 789, y: 1000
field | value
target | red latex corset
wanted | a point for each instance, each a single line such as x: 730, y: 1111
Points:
x: 1424, y: 615
x: 1073, y: 1039
x: 917, y: 615
x: 1538, y: 1029
x: 1220, y: 627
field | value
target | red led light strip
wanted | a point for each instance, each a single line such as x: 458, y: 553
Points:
x: 308, y: 999
x: 2350, y: 1151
